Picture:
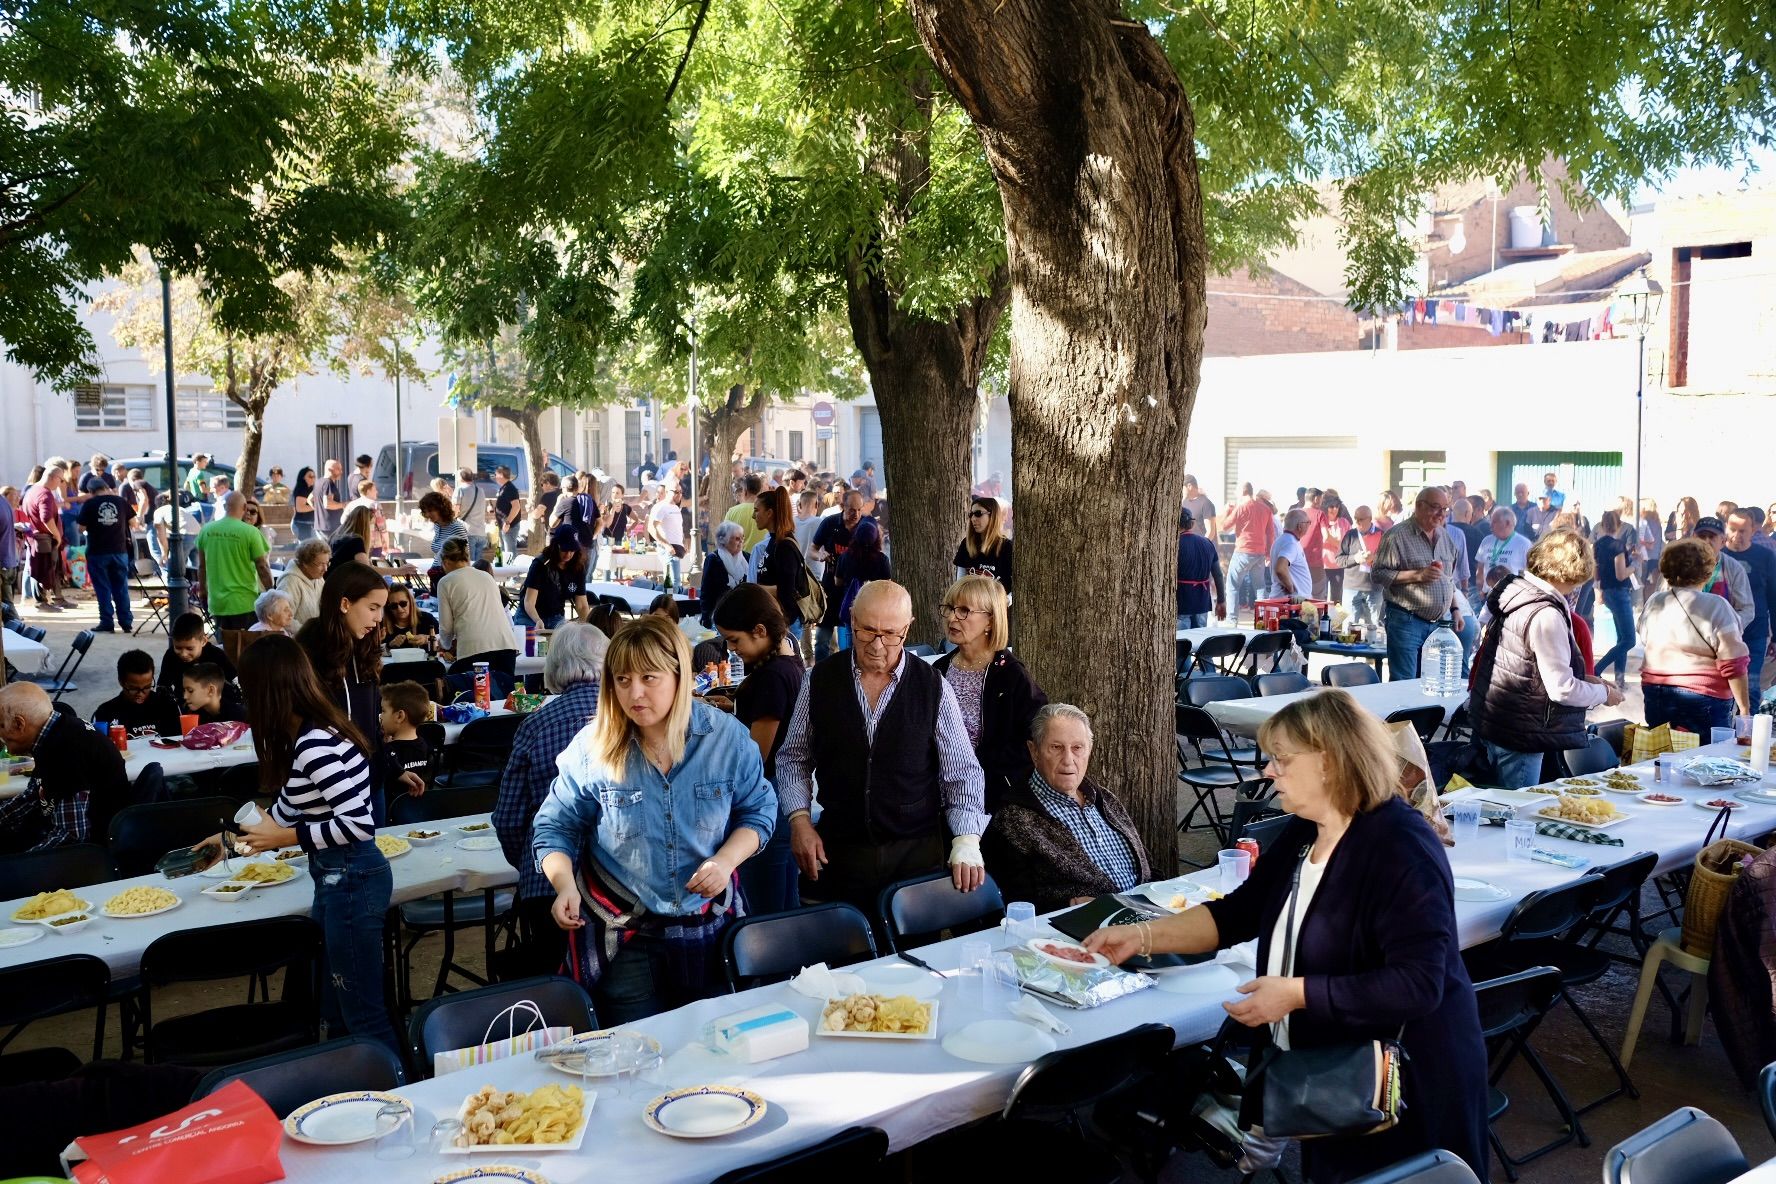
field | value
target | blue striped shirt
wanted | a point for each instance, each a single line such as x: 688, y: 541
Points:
x: 530, y: 769
x: 445, y: 531
x: 1102, y: 843
x: 326, y: 797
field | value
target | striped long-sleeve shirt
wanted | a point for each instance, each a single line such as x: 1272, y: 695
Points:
x: 326, y: 797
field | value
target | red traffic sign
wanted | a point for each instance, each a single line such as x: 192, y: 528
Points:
x: 823, y: 414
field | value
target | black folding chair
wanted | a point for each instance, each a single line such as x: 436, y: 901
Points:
x: 1349, y: 674
x: 1595, y: 757
x: 1284, y: 682
x: 503, y: 661
x: 1257, y: 819
x: 759, y: 950
x: 150, y: 785
x: 1218, y: 768
x: 1427, y: 1167
x: 914, y: 912
x: 151, y: 586
x: 141, y: 834
x: 1424, y: 720
x: 1259, y: 646
x: 62, y: 681
x: 250, y: 950
x: 73, y: 866
x: 1613, y: 732
x: 479, y: 754
x: 1219, y: 652
x: 852, y: 1156
x: 1185, y: 663
x: 38, y: 990
x: 1684, y: 1147
x: 287, y: 1080
x: 461, y: 1020
x: 1511, y: 1008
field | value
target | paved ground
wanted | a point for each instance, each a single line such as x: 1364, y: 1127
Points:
x: 1667, y: 1075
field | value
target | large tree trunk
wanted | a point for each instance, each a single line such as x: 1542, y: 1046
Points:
x: 252, y: 401
x: 723, y: 428
x: 525, y: 420
x: 1090, y: 137
x: 926, y: 378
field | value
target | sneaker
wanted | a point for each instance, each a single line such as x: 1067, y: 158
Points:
x: 66, y: 603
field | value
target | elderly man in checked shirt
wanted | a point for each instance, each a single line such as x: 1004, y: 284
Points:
x: 884, y: 736
x: 78, y: 781
x: 1415, y: 569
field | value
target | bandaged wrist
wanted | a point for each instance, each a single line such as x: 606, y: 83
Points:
x: 966, y: 849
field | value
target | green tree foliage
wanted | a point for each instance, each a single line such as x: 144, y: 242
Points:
x: 234, y: 142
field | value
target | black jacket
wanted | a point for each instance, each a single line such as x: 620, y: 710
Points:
x: 1009, y: 701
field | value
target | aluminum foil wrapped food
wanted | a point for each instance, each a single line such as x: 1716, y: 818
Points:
x: 1082, y: 986
x: 1718, y: 770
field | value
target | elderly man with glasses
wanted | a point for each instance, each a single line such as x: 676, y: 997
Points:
x: 1415, y: 569
x: 884, y: 736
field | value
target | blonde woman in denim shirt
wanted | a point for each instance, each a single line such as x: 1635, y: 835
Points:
x: 655, y: 804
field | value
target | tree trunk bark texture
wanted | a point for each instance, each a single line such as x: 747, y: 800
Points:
x: 723, y: 428
x: 1090, y: 137
x: 926, y: 376
x: 525, y: 420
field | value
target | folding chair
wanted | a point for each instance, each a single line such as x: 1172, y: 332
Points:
x: 62, y: 681
x: 1684, y: 1147
x: 1427, y: 1167
x: 1259, y: 646
x: 287, y: 1080
x: 151, y: 587
x: 1424, y: 720
x: 759, y: 950
x: 1219, y: 651
x: 853, y: 1156
x: 1511, y: 1008
x: 1595, y: 757
x: 1349, y: 674
x: 1218, y: 769
x: 1285, y: 682
x: 925, y: 906
x: 461, y: 1020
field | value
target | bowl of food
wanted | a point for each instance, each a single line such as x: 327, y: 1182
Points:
x: 69, y: 923
x: 263, y: 874
x: 475, y: 828
x: 291, y: 855
x: 423, y: 838
x: 229, y: 890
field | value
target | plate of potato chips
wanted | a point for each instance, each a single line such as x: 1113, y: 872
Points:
x: 880, y: 1017
x: 46, y: 906
x: 263, y: 874
x: 142, y: 901
x: 548, y: 1118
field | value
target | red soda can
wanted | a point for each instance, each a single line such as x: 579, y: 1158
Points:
x: 120, y: 738
x: 1250, y: 846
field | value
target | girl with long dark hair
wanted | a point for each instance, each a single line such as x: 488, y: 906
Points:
x: 316, y: 763
x: 556, y: 578
x: 302, y: 511
x: 780, y: 564
x: 986, y: 549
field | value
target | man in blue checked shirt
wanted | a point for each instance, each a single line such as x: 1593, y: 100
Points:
x: 571, y: 673
x: 78, y: 781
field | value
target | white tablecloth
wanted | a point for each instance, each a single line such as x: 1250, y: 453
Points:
x: 423, y: 871
x: 1242, y: 716
x: 22, y: 652
x: 629, y: 561
x: 1199, y: 635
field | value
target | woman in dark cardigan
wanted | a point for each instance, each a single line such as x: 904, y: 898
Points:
x: 1376, y: 948
x: 996, y: 693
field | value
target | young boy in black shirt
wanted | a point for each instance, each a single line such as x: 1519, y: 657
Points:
x: 140, y: 706
x: 212, y: 698
x: 405, y: 706
x: 189, y: 646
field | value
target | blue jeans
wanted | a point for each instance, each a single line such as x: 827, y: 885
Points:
x: 1407, y: 634
x: 477, y: 544
x: 1757, y: 640
x: 823, y: 641
x: 352, y: 885
x: 1686, y: 709
x: 1363, y: 604
x: 522, y: 618
x: 1469, y: 635
x: 1620, y: 602
x: 302, y: 528
x: 770, y: 879
x: 1193, y: 620
x: 1247, y: 579
x: 1514, y: 769
x: 110, y: 579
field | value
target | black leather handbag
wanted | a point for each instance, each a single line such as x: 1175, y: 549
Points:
x: 1318, y: 1093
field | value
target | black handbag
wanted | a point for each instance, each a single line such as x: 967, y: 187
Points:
x: 1318, y: 1093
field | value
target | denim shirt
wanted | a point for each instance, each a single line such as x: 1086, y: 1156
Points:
x: 653, y: 832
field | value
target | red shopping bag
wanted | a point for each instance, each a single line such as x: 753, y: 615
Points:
x: 230, y: 1137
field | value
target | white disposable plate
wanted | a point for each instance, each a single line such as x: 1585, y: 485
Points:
x: 24, y: 935
x: 1757, y: 797
x: 1470, y: 889
x: 494, y: 1172
x: 930, y: 1032
x: 85, y: 907
x: 165, y: 908
x: 1035, y: 944
x: 703, y: 1111
x: 1703, y: 804
x: 421, y: 840
x: 1637, y: 788
x: 224, y: 869
x: 1616, y: 821
x: 479, y: 843
x: 572, y: 1068
x: 341, y: 1119
x: 1648, y: 798
x: 1205, y: 978
x: 999, y: 1042
x: 900, y: 979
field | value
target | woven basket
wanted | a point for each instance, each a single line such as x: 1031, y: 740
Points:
x: 1711, y: 882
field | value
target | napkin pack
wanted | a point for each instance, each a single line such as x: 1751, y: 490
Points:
x: 759, y: 1034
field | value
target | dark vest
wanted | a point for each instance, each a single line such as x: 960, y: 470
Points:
x: 881, y: 791
x: 1511, y: 707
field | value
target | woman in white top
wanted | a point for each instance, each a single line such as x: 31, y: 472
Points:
x: 1353, y: 908
x: 301, y: 580
x: 472, y: 619
x: 317, y: 765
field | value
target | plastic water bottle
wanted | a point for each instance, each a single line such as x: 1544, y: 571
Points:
x: 736, y: 669
x: 1440, y: 662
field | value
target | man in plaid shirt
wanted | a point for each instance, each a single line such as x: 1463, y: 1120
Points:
x: 78, y: 782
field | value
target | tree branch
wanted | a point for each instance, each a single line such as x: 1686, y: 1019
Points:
x: 690, y: 44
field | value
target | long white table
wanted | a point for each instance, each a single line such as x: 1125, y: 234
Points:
x: 24, y: 653
x: 1243, y: 716
x: 120, y: 941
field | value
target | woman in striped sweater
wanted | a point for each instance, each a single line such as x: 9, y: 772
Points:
x: 317, y: 764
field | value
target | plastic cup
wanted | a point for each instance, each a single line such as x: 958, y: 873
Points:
x: 1520, y: 839
x: 1235, y: 866
x: 186, y: 723
x: 1020, y: 919
x: 248, y: 815
x: 1464, y: 814
x: 1720, y: 735
x: 973, y: 953
x: 1742, y: 729
x: 399, y: 1141
x: 999, y: 983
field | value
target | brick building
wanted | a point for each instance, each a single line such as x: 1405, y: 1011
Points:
x: 1263, y: 311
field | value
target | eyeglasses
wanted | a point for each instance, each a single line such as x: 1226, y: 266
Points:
x: 888, y: 637
x: 960, y: 611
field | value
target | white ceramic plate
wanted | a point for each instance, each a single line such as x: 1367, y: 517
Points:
x: 1470, y: 889
x: 494, y: 1172
x: 704, y: 1111
x: 572, y: 1068
x: 1648, y: 798
x: 1545, y: 816
x: 898, y: 978
x: 295, y: 874
x: 1035, y: 944
x: 402, y: 847
x: 165, y: 908
x: 930, y: 1032
x: 479, y: 843
x: 1757, y: 797
x: 1205, y: 978
x: 85, y: 907
x: 24, y: 935
x: 998, y: 1042
x: 1704, y: 804
x: 572, y: 1143
x: 338, y: 1120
